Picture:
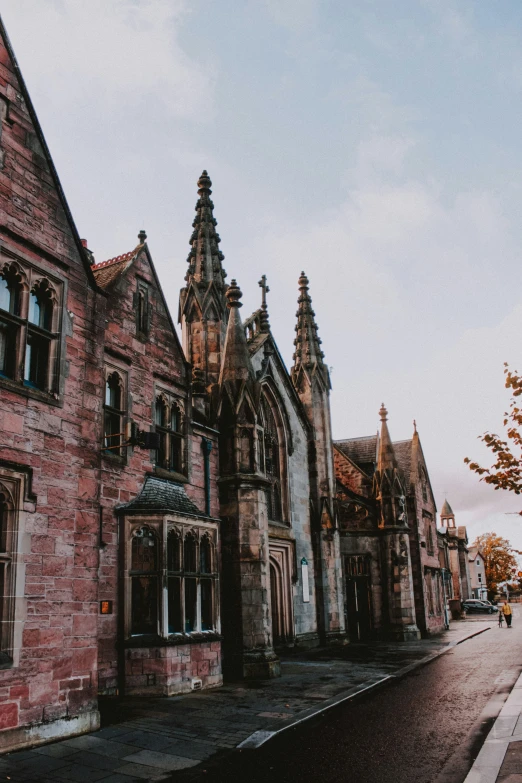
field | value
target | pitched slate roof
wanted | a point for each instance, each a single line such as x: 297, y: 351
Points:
x: 106, y: 272
x: 402, y: 450
x: 159, y: 496
x: 362, y: 451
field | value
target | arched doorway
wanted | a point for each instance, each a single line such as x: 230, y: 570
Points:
x: 277, y: 608
x: 281, y: 592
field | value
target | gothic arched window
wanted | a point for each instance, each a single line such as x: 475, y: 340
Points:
x: 273, y: 457
x: 39, y: 336
x: 169, y: 426
x: 114, y: 411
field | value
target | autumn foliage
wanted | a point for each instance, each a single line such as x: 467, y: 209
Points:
x: 506, y: 471
x: 499, y: 560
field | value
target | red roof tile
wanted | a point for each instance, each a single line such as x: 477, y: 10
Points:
x: 106, y: 272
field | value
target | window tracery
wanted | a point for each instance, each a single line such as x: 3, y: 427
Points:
x: 272, y: 453
x: 29, y: 327
x: 189, y: 567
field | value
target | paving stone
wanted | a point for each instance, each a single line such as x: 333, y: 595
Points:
x: 191, y: 750
x: 93, y: 759
x: 142, y: 772
x: 164, y: 761
x: 42, y: 764
x: 57, y: 750
x: 146, y: 740
x: 78, y: 773
x: 112, y: 731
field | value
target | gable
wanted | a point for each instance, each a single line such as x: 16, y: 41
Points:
x: 268, y: 363
x: 122, y: 276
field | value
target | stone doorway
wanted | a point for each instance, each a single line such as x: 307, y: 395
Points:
x: 358, y: 597
x: 281, y: 593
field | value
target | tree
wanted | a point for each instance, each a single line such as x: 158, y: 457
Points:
x: 499, y: 560
x: 506, y: 472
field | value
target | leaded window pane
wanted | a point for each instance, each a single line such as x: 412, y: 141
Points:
x: 36, y: 361
x: 144, y: 551
x: 205, y: 558
x: 144, y: 604
x: 206, y: 605
x: 9, y: 296
x: 174, y: 599
x: 189, y: 554
x: 7, y: 348
x: 173, y: 552
x: 191, y: 592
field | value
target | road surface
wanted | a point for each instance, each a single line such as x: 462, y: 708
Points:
x: 425, y: 728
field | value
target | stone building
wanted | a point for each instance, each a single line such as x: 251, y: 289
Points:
x: 172, y: 511
x: 389, y: 546
x: 163, y: 509
x: 281, y: 580
x: 477, y: 573
x: 457, y: 538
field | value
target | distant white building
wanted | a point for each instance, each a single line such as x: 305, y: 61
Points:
x: 477, y: 570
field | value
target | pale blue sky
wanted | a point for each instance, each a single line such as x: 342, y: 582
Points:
x: 374, y: 144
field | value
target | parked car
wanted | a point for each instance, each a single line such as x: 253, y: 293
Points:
x: 474, y: 605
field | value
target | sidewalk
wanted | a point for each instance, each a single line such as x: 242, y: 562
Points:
x: 500, y: 759
x: 148, y: 739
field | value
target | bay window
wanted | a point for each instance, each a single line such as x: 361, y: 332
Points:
x: 172, y: 588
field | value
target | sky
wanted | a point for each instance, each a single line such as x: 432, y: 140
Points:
x: 374, y: 145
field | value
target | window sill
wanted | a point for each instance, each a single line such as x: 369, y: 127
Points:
x: 114, y: 459
x: 29, y: 391
x: 170, y: 474
x: 198, y: 637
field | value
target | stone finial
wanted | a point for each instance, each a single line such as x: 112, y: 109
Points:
x: 386, y: 458
x: 204, y: 183
x: 142, y: 236
x: 234, y: 294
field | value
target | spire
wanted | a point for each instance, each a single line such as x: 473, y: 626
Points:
x: 386, y: 459
x: 446, y: 510
x: 308, y: 353
x: 205, y: 257
x: 236, y: 364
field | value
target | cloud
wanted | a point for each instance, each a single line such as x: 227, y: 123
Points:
x: 121, y: 52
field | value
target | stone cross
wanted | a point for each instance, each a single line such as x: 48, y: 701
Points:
x: 266, y: 289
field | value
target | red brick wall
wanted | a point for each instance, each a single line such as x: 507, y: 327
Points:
x: 164, y: 671
x: 157, y: 360
x: 56, y: 676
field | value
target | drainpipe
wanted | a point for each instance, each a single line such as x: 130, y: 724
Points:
x: 206, y: 446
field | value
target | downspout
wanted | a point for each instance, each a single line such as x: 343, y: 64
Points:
x: 206, y: 446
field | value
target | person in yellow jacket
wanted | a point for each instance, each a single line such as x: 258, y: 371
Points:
x: 506, y: 611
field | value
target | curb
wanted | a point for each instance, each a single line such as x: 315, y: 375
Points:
x: 259, y: 738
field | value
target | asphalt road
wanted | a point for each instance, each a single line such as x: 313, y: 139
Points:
x: 425, y: 728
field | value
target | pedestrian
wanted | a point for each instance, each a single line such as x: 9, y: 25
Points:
x: 500, y: 618
x: 506, y: 609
